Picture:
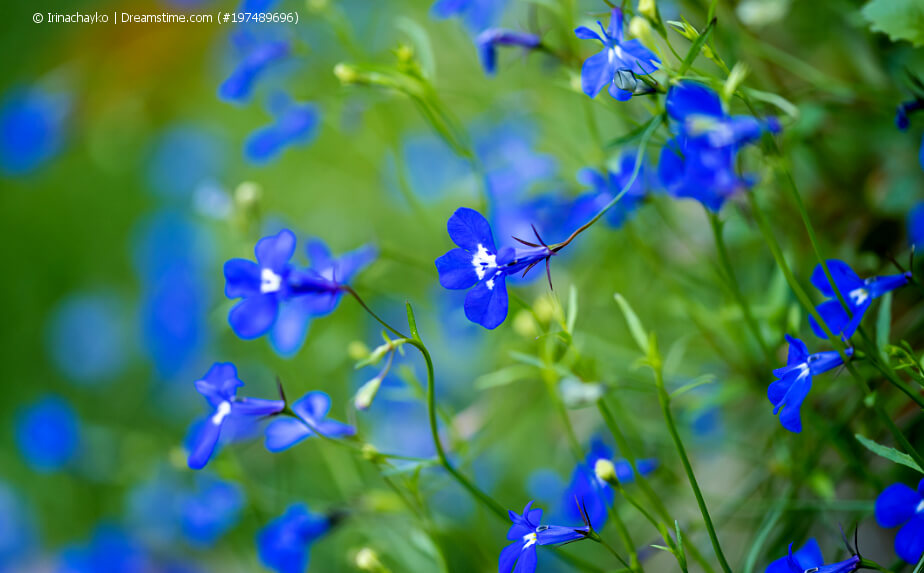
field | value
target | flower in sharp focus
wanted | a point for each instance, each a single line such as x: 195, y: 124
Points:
x: 794, y: 380
x: 477, y: 263
x: 588, y: 493
x: 296, y: 124
x: 699, y: 161
x: 311, y: 409
x: 282, y: 298
x: 488, y: 41
x: 284, y: 543
x: 219, y: 387
x: 526, y: 534
x: 899, y: 505
x: 809, y: 558
x: 858, y: 294
x: 618, y: 55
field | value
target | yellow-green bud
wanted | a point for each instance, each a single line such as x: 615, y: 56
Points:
x: 247, y: 195
x: 648, y: 9
x: 346, y: 73
x: 641, y: 28
x: 606, y: 471
x: 366, y: 393
x: 405, y: 53
x: 544, y: 309
x: 524, y: 325
x: 368, y: 560
x: 357, y: 350
x: 371, y: 454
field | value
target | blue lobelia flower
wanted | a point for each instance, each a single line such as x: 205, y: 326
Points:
x: 283, y: 544
x: 211, y: 510
x: 527, y: 533
x: 32, y: 126
x: 858, y: 294
x: 296, y: 124
x: 899, y: 505
x: 488, y: 40
x: 902, y: 120
x: 477, y: 14
x: 605, y: 187
x: 699, y: 162
x: 110, y: 550
x: 257, y: 57
x: 48, y: 434
x: 916, y: 226
x: 618, y: 55
x: 477, y: 263
x: 587, y: 495
x: 795, y: 380
x: 219, y: 387
x: 283, y: 298
x: 311, y: 410
x: 809, y: 558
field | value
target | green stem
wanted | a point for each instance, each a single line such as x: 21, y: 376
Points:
x: 664, y: 399
x: 735, y: 287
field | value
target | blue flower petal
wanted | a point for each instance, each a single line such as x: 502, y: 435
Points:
x: 219, y: 384
x: 253, y: 316
x: 618, y: 93
x: 351, y: 263
x: 527, y: 561
x: 896, y: 505
x: 693, y: 98
x: 335, y: 429
x: 284, y: 433
x: 313, y: 406
x: 791, y: 418
x: 242, y: 278
x: 844, y: 277
x: 291, y: 326
x: 256, y: 407
x: 597, y: 72
x: 486, y: 304
x: 203, y: 444
x: 509, y: 556
x: 469, y: 229
x: 809, y: 555
x: 456, y: 270
x: 798, y: 351
x: 909, y: 543
x: 638, y: 58
x: 585, y: 33
x: 274, y: 252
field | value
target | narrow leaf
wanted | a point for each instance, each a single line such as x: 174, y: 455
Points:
x: 888, y: 453
x: 635, y: 325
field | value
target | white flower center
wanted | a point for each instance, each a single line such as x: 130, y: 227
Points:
x: 269, y: 281
x: 482, y: 261
x: 529, y: 539
x: 221, y: 412
x: 858, y: 296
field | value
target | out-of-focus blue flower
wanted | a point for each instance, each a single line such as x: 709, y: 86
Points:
x: 618, y: 55
x: 916, y: 226
x: 809, y: 558
x: 284, y: 543
x: 488, y: 41
x: 699, y: 162
x: 899, y: 505
x: 281, y: 297
x: 183, y: 158
x: 18, y: 533
x: 858, y: 294
x: 477, y: 14
x: 110, y: 550
x: 32, y: 125
x: 605, y: 187
x: 903, y: 121
x: 296, y: 124
x: 211, y: 510
x: 794, y: 380
x: 219, y: 387
x: 47, y: 433
x: 88, y: 338
x: 526, y: 534
x: 169, y: 252
x: 477, y: 263
x: 593, y: 494
x: 311, y: 410
x: 256, y: 58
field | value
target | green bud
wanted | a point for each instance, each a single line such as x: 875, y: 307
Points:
x: 368, y: 560
x: 366, y: 393
x: 606, y: 471
x: 357, y: 350
x: 371, y: 454
x: 346, y: 73
x: 648, y: 9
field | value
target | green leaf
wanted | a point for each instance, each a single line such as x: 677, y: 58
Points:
x: 635, y: 325
x: 421, y: 41
x: 899, y: 19
x: 573, y: 309
x: 888, y: 453
x: 632, y: 135
x: 699, y: 381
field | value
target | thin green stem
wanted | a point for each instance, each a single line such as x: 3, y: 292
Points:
x: 729, y: 273
x: 664, y: 399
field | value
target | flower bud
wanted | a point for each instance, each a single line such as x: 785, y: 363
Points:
x: 357, y: 350
x: 641, y: 28
x: 366, y: 393
x: 371, y: 454
x: 368, y: 560
x: 606, y: 471
x: 346, y: 73
x: 648, y: 9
